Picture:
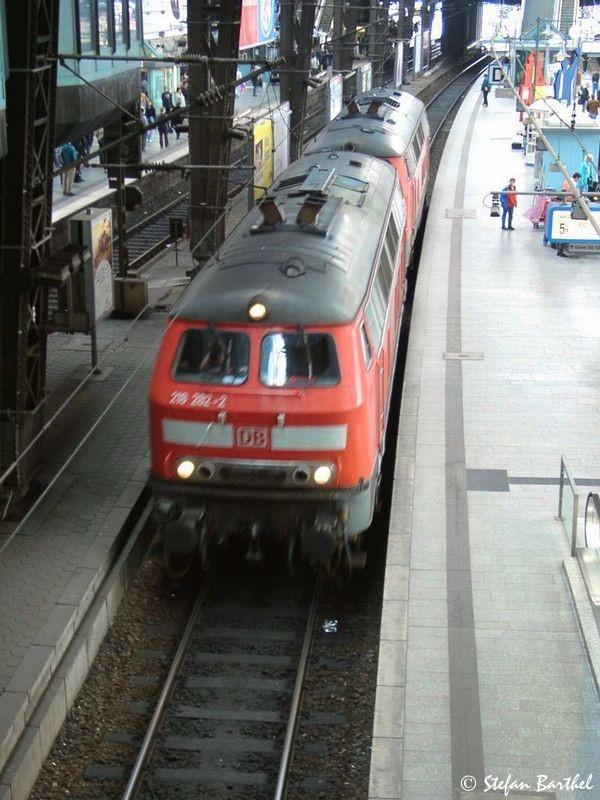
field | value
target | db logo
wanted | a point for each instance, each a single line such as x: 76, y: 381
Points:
x: 252, y: 437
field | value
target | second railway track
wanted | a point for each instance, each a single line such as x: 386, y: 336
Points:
x: 151, y: 235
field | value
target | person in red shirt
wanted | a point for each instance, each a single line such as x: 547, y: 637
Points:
x: 508, y: 198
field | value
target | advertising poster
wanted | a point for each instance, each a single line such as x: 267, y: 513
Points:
x: 335, y: 96
x: 258, y: 23
x: 263, y: 156
x: 281, y: 139
x: 101, y: 241
x: 426, y: 49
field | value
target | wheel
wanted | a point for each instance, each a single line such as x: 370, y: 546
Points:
x: 176, y: 566
x: 339, y: 567
x: 205, y: 548
x: 294, y: 559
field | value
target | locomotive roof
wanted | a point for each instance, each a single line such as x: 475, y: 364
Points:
x: 312, y: 271
x: 386, y: 133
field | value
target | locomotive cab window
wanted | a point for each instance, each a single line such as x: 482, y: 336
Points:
x: 212, y: 356
x: 298, y: 359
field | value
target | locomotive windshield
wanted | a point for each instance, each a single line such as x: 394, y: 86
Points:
x: 298, y: 359
x: 211, y: 356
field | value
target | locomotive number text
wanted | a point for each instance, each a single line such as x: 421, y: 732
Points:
x: 197, y: 399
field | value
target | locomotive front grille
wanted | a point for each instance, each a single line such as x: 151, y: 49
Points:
x: 250, y: 475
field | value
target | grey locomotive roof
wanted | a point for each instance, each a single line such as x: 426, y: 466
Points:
x: 304, y: 273
x: 384, y: 136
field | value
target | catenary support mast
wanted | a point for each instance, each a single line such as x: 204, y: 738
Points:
x: 213, y: 30
x: 25, y: 232
x: 297, y: 23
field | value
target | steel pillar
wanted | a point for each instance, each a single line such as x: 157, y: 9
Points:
x: 344, y: 26
x: 214, y: 31
x: 297, y: 24
x: 25, y: 229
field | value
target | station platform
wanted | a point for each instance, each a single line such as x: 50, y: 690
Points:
x: 53, y: 563
x: 485, y: 687
x: 94, y: 188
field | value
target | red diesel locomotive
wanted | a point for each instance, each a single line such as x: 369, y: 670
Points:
x: 270, y: 394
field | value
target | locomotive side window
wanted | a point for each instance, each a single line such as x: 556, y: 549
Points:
x: 375, y: 325
x: 416, y: 150
x: 385, y: 275
x: 298, y: 359
x: 212, y: 356
x: 419, y: 137
x: 366, y: 347
x: 410, y: 161
x: 392, y: 238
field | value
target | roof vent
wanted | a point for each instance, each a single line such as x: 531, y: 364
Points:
x: 310, y: 209
x: 375, y: 105
x: 272, y: 213
x: 353, y: 108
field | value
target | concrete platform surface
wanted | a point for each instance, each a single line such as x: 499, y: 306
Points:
x: 483, y: 672
x: 53, y: 563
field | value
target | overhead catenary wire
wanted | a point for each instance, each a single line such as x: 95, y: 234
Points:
x: 10, y: 469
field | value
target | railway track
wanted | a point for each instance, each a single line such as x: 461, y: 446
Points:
x: 227, y: 718
x: 440, y: 110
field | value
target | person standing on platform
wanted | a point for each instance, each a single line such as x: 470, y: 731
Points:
x: 595, y: 84
x: 566, y: 187
x: 589, y: 175
x: 485, y: 90
x: 163, y: 129
x: 68, y: 156
x: 508, y: 198
x: 592, y: 107
x: 167, y: 102
x: 179, y: 105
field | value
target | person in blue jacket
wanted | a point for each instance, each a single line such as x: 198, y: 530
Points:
x: 68, y: 156
x: 588, y: 174
x: 508, y: 198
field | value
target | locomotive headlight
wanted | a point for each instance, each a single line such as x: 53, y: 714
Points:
x: 322, y: 475
x: 257, y: 311
x: 185, y: 469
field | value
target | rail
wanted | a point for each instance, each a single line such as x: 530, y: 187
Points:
x: 458, y: 98
x: 135, y: 777
x: 292, y: 726
x: 568, y: 504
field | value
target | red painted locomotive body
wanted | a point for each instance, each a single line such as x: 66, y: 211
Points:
x: 270, y: 395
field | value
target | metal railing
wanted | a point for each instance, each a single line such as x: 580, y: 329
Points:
x: 592, y: 521
x: 568, y: 504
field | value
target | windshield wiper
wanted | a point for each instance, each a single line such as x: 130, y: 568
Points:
x: 307, y: 352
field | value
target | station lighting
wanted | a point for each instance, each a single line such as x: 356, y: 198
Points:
x: 257, y: 311
x: 185, y: 469
x: 322, y: 474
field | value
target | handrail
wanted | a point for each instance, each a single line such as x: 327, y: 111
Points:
x: 565, y: 473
